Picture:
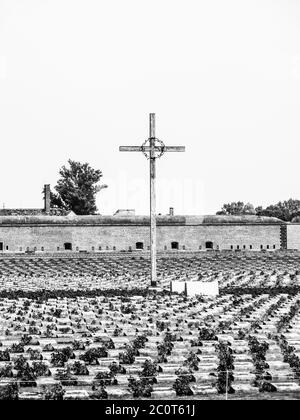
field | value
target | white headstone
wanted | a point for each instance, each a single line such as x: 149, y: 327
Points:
x: 194, y: 288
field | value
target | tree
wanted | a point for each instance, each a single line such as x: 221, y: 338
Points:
x: 77, y: 188
x: 237, y: 208
x: 284, y: 210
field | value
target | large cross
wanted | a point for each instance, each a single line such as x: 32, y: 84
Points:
x: 152, y: 148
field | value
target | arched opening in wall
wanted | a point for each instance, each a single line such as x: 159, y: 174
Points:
x: 209, y: 245
x: 1, y: 246
x: 68, y: 246
x: 139, y: 245
x: 174, y: 245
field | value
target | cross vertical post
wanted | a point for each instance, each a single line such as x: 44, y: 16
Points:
x: 153, y: 149
x: 152, y: 201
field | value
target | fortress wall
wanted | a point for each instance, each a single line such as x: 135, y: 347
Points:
x: 293, y: 236
x: 20, y: 237
x: 192, y: 237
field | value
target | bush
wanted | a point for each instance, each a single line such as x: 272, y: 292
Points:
x: 161, y: 325
x: 165, y: 348
x: 25, y: 340
x: 258, y: 351
x: 149, y: 370
x: 207, y: 334
x: 57, y: 313
x: 182, y: 383
x: 91, y: 356
x: 20, y: 363
x: 4, y: 356
x: 139, y: 342
x: 128, y: 357
x: 79, y: 369
x: 224, y: 382
x: 105, y: 378
x: 35, y: 354
x: 17, y: 348
x: 225, y: 368
x: 9, y: 392
x: 41, y: 369
x: 25, y: 372
x: 60, y: 357
x: 48, y: 348
x: 99, y: 393
x: 54, y: 393
x: 78, y: 345
x: 6, y: 371
x: 140, y: 388
x: 267, y: 387
x: 107, y: 344
x: 192, y: 361
x: 117, y: 332
x: 128, y: 309
x: 115, y: 369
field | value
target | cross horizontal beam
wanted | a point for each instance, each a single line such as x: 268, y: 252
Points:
x: 155, y: 148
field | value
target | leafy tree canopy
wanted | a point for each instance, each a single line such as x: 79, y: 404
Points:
x: 236, y: 208
x: 284, y: 210
x: 77, y: 188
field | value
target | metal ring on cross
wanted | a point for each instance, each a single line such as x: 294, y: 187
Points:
x: 147, y: 144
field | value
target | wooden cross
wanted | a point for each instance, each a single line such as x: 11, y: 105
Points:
x: 152, y: 148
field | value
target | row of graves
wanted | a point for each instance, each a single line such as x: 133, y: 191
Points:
x: 162, y: 346
x: 103, y: 272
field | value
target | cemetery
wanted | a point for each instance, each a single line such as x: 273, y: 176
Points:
x: 88, y: 327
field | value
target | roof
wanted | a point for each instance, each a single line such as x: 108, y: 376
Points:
x: 96, y: 220
x: 31, y: 212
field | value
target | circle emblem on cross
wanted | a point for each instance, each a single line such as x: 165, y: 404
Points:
x: 158, y: 148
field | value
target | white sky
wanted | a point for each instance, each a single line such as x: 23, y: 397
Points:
x: 78, y: 78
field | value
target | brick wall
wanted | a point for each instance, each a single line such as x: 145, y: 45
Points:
x: 20, y: 237
x: 293, y: 236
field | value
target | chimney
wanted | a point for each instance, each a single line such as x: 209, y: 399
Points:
x: 47, y: 198
x: 171, y: 212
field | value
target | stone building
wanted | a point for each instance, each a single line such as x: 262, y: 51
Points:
x: 48, y: 230
x: 126, y: 233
